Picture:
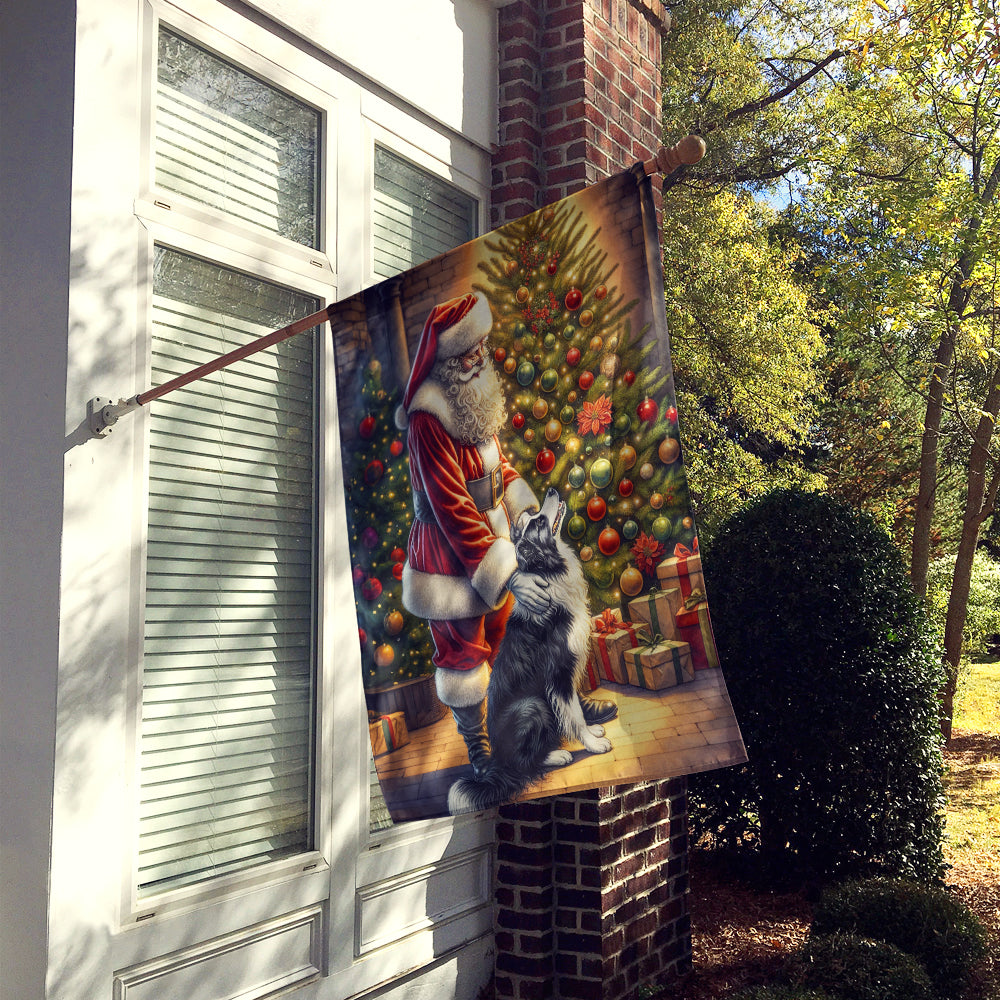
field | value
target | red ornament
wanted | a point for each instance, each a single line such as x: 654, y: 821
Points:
x: 397, y: 570
x: 396, y: 449
x: 551, y: 267
x: 608, y: 541
x: 596, y: 508
x: 358, y: 573
x: 574, y: 299
x: 600, y: 291
x: 586, y: 380
x: 367, y: 428
x: 629, y: 377
x: 545, y: 461
x: 648, y: 410
x: 517, y: 421
x: 625, y: 488
x: 499, y: 354
x: 672, y: 414
x: 374, y: 472
x: 573, y: 357
x: 362, y: 636
x: 371, y: 589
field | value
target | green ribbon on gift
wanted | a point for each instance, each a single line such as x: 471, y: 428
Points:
x: 675, y: 658
x: 694, y: 600
x: 654, y: 618
x: 653, y: 643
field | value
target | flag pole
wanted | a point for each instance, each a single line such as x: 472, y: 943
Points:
x: 103, y: 413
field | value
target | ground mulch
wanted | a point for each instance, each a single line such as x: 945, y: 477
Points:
x: 743, y: 933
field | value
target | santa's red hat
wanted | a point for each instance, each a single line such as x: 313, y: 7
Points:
x: 452, y: 328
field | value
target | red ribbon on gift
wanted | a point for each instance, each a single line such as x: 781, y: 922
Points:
x: 606, y: 622
x: 682, y: 553
x: 602, y: 643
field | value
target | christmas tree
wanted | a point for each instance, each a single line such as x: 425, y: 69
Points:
x: 395, y: 646
x: 587, y: 414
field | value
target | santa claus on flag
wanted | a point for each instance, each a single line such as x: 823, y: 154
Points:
x: 461, y: 572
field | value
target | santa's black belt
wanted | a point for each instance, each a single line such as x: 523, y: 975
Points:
x: 486, y: 493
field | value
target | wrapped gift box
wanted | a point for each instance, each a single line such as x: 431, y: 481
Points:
x: 694, y: 626
x: 609, y: 638
x: 661, y: 664
x: 683, y: 571
x: 657, y: 610
x: 387, y: 732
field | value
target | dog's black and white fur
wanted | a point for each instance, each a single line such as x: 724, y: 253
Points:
x: 532, y: 700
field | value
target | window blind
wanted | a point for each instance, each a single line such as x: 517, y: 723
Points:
x: 228, y: 654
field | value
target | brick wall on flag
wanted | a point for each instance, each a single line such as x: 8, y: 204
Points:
x: 591, y: 889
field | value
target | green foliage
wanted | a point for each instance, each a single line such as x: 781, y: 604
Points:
x: 857, y: 968
x: 833, y: 676
x: 782, y: 992
x: 924, y: 921
x: 983, y: 610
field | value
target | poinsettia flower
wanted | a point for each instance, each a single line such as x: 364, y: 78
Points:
x: 646, y: 552
x: 594, y: 417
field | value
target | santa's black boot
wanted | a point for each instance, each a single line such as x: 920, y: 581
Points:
x: 597, y: 711
x: 471, y: 723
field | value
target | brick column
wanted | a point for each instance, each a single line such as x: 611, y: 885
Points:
x: 591, y: 889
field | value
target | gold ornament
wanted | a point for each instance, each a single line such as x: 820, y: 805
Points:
x: 646, y: 470
x: 688, y: 523
x: 627, y: 456
x: 539, y: 408
x: 573, y: 446
x: 656, y: 501
x: 522, y: 294
x: 609, y: 365
x: 553, y: 430
x: 394, y: 623
x: 630, y: 581
x: 669, y: 450
x: 529, y: 435
x: 384, y: 655
x: 596, y: 343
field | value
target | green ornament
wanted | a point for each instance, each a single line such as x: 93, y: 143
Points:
x: 525, y: 373
x: 662, y: 529
x: 576, y: 477
x: 550, y: 378
x: 569, y: 331
x: 567, y: 414
x: 608, y: 440
x: 520, y: 330
x: 601, y: 472
x: 576, y: 526
x: 549, y: 341
x: 630, y: 529
x: 622, y: 425
x: 578, y: 500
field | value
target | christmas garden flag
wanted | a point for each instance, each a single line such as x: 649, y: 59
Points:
x: 513, y: 473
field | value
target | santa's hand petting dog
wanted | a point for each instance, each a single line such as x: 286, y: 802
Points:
x: 461, y: 573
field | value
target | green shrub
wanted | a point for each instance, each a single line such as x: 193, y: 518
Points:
x: 925, y: 922
x: 982, y: 619
x: 833, y: 673
x: 857, y: 968
x: 782, y: 993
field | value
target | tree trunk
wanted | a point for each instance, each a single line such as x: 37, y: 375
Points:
x: 979, y: 500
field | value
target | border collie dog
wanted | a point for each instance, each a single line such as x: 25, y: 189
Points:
x: 532, y: 700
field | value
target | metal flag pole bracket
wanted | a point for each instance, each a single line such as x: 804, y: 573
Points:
x: 103, y: 413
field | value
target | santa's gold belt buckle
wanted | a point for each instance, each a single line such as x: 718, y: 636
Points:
x: 496, y: 481
x: 487, y: 491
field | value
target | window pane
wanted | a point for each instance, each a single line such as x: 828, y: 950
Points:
x: 417, y: 215
x: 228, y: 658
x: 231, y: 141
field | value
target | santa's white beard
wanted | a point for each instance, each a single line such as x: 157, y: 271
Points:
x: 477, y: 403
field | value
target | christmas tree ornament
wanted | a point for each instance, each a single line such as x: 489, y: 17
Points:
x: 608, y: 440
x: 553, y: 430
x: 571, y: 396
x: 374, y: 472
x: 545, y: 461
x: 525, y: 373
x: 397, y: 570
x: 537, y: 358
x: 656, y: 501
x: 499, y: 354
x: 576, y: 526
x: 586, y: 553
x: 358, y: 574
x: 608, y: 541
x: 596, y: 344
x: 569, y: 331
x: 384, y: 656
x: 551, y: 268
x: 522, y: 295
x: 362, y: 637
x: 577, y: 477
x: 517, y: 421
x: 549, y: 342
x: 510, y: 268
x: 586, y: 317
x: 549, y: 379
x: 647, y: 552
x: 661, y: 528
x: 367, y: 427
x: 629, y: 378
x: 627, y: 456
x: 548, y: 215
x: 574, y: 299
x: 396, y: 448
x: 625, y: 487
x: 601, y: 472
x: 609, y: 365
x: 600, y: 291
x: 622, y: 425
x: 669, y: 450
x: 369, y: 537
x: 529, y: 435
x: 510, y: 365
x: 648, y: 410
x: 586, y: 380
x: 393, y: 623
x: 567, y: 414
x: 671, y: 414
x: 520, y: 330
x: 688, y: 523
x: 375, y: 368
x: 646, y: 470
x: 573, y: 446
x: 630, y: 529
x: 573, y: 357
x: 371, y: 589
x: 596, y: 508
x: 630, y: 581
x: 539, y: 408
x: 578, y: 500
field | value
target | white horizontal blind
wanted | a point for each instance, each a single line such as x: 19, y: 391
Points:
x: 228, y: 659
x: 226, y: 139
x: 417, y: 216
